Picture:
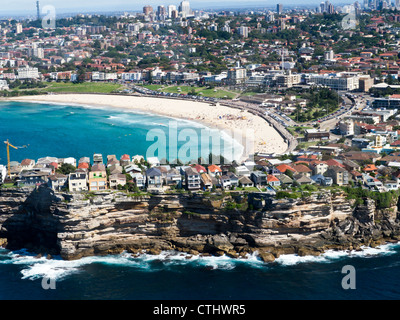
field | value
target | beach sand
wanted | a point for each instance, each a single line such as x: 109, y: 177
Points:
x: 257, y: 135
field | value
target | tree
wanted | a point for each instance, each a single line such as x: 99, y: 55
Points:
x: 66, y: 169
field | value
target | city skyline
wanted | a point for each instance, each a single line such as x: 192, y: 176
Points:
x: 74, y: 6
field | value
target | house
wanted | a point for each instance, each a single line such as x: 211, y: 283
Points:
x: 224, y: 181
x: 132, y: 168
x: 206, y: 181
x: 351, y: 165
x: 154, y: 178
x: 193, y: 179
x: 318, y: 167
x: 199, y: 168
x: 27, y: 164
x: 112, y: 160
x: 302, y: 179
x: 98, y: 177
x: 339, y: 175
x: 285, y: 179
x: 71, y: 161
x: 370, y: 168
x: 115, y: 168
x: 245, y: 182
x: 32, y: 178
x: 242, y: 171
x: 333, y: 162
x: 303, y: 169
x: 314, y: 134
x: 153, y: 161
x: 78, y: 181
x: 391, y: 185
x: 322, y: 180
x: 284, y: 167
x: 97, y: 158
x: 3, y: 173
x: 273, y: 181
x: 234, y: 179
x: 173, y: 177
x: 356, y: 176
x: 125, y: 160
x: 214, y: 170
x: 116, y: 180
x: 57, y: 182
x: 139, y: 178
x: 259, y: 178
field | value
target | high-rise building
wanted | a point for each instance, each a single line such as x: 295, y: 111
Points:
x: 147, y: 10
x: 170, y: 9
x: 38, y: 10
x: 18, y: 28
x: 161, y: 12
x: 279, y: 8
x: 243, y: 31
x: 184, y: 9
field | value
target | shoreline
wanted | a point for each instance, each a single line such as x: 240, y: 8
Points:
x: 253, y: 133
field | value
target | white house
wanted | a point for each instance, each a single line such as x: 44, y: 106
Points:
x: 3, y: 173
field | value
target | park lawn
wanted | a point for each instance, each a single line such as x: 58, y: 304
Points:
x: 219, y: 93
x: 86, y: 87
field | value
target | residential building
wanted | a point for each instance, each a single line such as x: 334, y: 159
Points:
x: 273, y: 181
x: 346, y: 127
x: 314, y: 134
x: 3, y: 173
x: 259, y: 178
x: 173, y: 177
x: 116, y: 180
x: 243, y: 31
x: 154, y: 178
x: 214, y: 170
x: 339, y: 175
x: 206, y: 181
x: 98, y: 178
x: 192, y: 178
x: 245, y: 182
x: 322, y: 180
x: 78, y: 181
x: 32, y: 178
x: 28, y: 73
x: 57, y: 182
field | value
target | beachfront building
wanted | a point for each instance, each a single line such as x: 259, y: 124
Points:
x: 192, y: 178
x: 58, y: 182
x: 98, y: 178
x: 77, y: 181
x: 116, y: 180
x: 154, y: 178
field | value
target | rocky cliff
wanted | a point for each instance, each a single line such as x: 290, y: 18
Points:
x: 77, y: 225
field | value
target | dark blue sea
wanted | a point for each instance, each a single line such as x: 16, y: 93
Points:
x: 175, y: 276
x: 77, y: 131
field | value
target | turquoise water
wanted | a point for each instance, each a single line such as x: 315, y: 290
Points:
x: 76, y: 131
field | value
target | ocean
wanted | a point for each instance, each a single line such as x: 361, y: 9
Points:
x: 177, y: 276
x: 77, y: 131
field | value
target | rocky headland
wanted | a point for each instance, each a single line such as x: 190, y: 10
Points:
x: 234, y: 224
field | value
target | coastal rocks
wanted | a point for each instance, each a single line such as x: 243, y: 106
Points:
x: 75, y: 226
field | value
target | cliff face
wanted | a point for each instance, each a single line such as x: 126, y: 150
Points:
x: 81, y: 225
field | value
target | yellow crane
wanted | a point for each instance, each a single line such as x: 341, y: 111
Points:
x: 8, y: 154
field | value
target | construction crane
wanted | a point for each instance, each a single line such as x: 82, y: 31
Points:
x: 8, y: 154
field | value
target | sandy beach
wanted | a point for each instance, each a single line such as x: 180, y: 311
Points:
x: 257, y: 134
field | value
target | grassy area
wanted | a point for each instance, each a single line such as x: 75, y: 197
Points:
x: 211, y: 93
x: 86, y: 87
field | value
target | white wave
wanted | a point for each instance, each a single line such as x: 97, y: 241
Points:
x: 333, y: 255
